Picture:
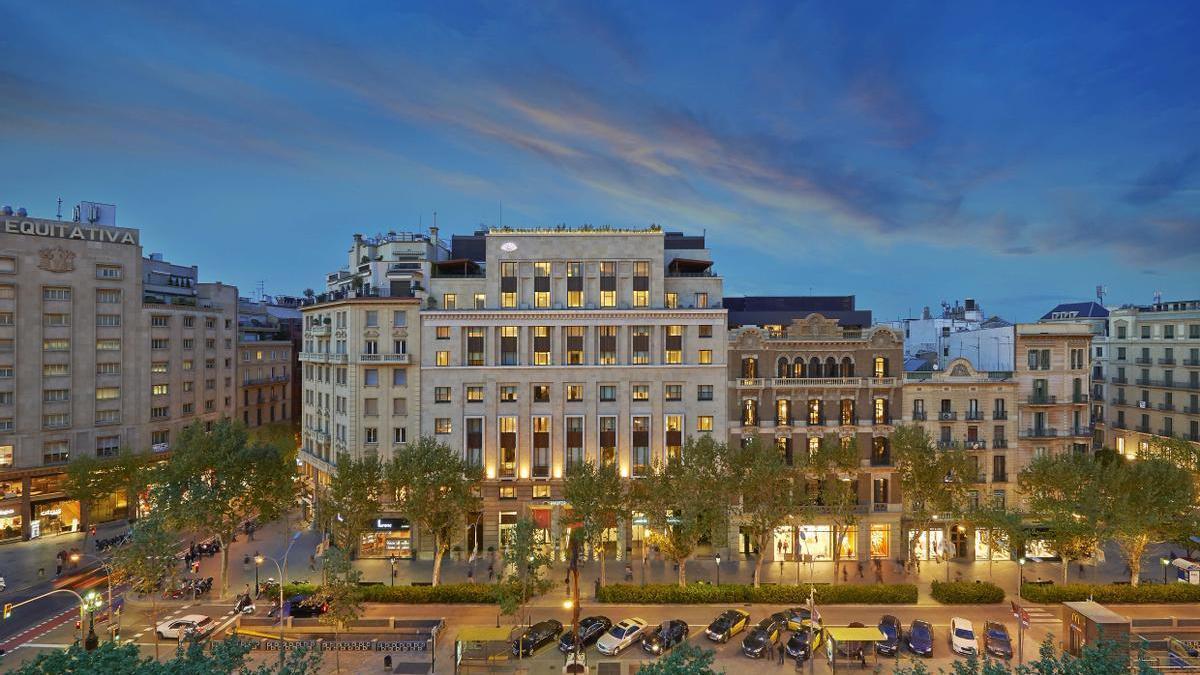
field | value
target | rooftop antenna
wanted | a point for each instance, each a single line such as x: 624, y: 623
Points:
x: 59, y: 213
x: 261, y: 290
x: 1101, y: 291
x: 500, y: 218
x: 1157, y: 297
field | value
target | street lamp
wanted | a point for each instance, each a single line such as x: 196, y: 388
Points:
x: 113, y: 616
x: 1020, y: 576
x: 392, y: 560
x: 1166, y: 563
x: 718, y: 569
x: 92, y: 602
x: 258, y: 560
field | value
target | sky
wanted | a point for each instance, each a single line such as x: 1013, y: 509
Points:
x: 904, y: 152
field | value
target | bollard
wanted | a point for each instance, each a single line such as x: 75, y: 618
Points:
x: 387, y: 662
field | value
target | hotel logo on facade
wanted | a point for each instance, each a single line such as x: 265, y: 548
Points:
x: 76, y: 231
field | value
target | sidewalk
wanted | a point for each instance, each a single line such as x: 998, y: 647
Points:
x: 21, y: 560
x: 271, y: 541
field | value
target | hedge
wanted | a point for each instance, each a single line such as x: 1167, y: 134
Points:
x: 700, y: 594
x: 967, y: 593
x: 425, y: 595
x: 1111, y: 593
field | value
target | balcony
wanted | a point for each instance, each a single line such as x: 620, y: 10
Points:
x: 977, y: 444
x: 1143, y: 360
x: 1079, y: 398
x: 1079, y: 431
x: 1166, y: 406
x: 253, y: 381
x: 1141, y: 428
x: 1118, y: 380
x: 1120, y: 424
x: 319, y: 331
x: 881, y: 421
x: 1195, y: 438
x: 1191, y: 410
x: 382, y: 358
x: 947, y: 415
x: 999, y: 477
x: 1042, y: 399
x: 1000, y: 443
x: 1166, y: 432
x: 999, y: 414
x: 880, y: 460
x: 919, y: 415
x: 796, y: 382
x: 1040, y: 432
x: 1192, y: 363
x: 1166, y: 361
x: 947, y: 445
x: 1119, y: 401
x: 981, y: 478
x: 1146, y: 382
x: 973, y: 416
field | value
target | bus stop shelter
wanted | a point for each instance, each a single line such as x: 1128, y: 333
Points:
x: 482, y: 649
x: 864, y: 637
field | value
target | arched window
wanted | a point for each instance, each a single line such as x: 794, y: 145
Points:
x: 814, y: 367
x: 750, y: 367
x: 798, y: 368
x: 750, y: 412
x: 847, y: 367
x: 781, y: 369
x: 881, y: 451
x: 831, y: 369
x: 881, y: 367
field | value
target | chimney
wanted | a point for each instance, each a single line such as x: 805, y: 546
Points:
x: 433, y: 233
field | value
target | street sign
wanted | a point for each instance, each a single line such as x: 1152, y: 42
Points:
x: 1024, y: 619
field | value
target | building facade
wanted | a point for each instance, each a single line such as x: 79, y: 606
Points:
x: 100, y: 349
x: 1151, y: 361
x: 974, y: 411
x: 1053, y: 401
x: 794, y: 384
x: 541, y: 348
x: 265, y: 363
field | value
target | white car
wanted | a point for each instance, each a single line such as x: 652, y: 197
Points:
x: 185, y: 626
x: 962, y: 636
x: 620, y: 636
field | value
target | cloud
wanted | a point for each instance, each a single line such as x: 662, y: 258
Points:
x: 1163, y: 179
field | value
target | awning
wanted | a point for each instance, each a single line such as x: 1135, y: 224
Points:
x: 484, y: 634
x: 1185, y: 564
x: 541, y: 518
x: 843, y: 634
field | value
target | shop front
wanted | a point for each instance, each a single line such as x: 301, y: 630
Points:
x: 59, y: 516
x: 387, y: 538
x: 990, y: 547
x: 813, y: 543
x: 108, y: 508
x: 11, y: 521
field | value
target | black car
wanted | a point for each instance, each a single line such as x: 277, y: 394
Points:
x: 764, y: 636
x: 996, y: 641
x: 666, y: 635
x: 536, y: 636
x: 729, y: 623
x: 920, y: 638
x: 890, y: 627
x: 590, y: 630
x: 852, y: 648
x: 306, y: 606
x: 803, y: 643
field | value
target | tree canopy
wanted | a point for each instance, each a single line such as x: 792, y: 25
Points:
x: 596, y: 495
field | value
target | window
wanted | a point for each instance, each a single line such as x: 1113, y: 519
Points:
x: 56, y: 345
x: 1145, y: 332
x: 441, y: 358
x: 108, y: 369
x: 441, y: 394
x: 57, y: 320
x: 880, y: 367
x: 705, y: 357
x: 371, y: 377
x: 449, y: 301
x: 441, y: 425
x: 639, y: 338
x: 783, y: 412
x: 508, y: 285
x: 8, y: 265
x: 574, y: 392
x: 750, y: 412
x: 1039, y: 359
x: 640, y: 392
x: 370, y: 435
x: 508, y: 346
x: 702, y: 302
x: 48, y: 369
x: 55, y: 452
x: 608, y: 284
x: 508, y: 393
x: 441, y: 333
x: 188, y: 343
x: 574, y: 440
x: 159, y: 366
x: 108, y: 271
x: 541, y: 345
x: 399, y: 377
x: 108, y: 393
x: 508, y: 492
x: 6, y: 451
x: 673, y: 442
x: 160, y: 343
x: 704, y: 423
x: 6, y: 318
x: 670, y: 300
x: 705, y: 330
x: 704, y: 392
x: 160, y: 437
x: 574, y: 345
x: 541, y: 393
x: 881, y: 411
x: 673, y: 344
x: 541, y: 285
x: 815, y: 417
x: 507, y: 427
x: 474, y: 393
x: 189, y: 321
x: 399, y: 406
x: 56, y: 420
x: 640, y: 433
x: 608, y: 392
x: 473, y: 443
x: 159, y: 390
x: 160, y: 321
x: 475, y: 337
x: 672, y: 392
x: 480, y: 300
x: 574, y: 284
x: 56, y: 395
x: 6, y: 398
x: 541, y: 447
x: 56, y: 293
x: 608, y: 440
x: 606, y: 345
x: 399, y: 319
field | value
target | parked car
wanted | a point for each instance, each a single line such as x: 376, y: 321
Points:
x: 536, y: 636
x: 197, y: 625
x: 620, y: 636
x: 920, y: 638
x: 804, y: 642
x: 590, y: 630
x: 729, y: 623
x: 852, y: 648
x: 962, y: 636
x: 996, y: 640
x: 306, y: 606
x: 800, y: 617
x: 664, y: 636
x: 763, y: 637
x: 890, y: 627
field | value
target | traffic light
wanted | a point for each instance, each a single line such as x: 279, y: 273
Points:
x: 7, y: 609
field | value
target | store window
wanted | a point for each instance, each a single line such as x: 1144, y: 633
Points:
x: 387, y: 537
x: 10, y: 523
x: 881, y: 538
x: 55, y: 517
x: 990, y: 547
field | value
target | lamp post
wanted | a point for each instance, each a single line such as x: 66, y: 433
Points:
x: 392, y: 560
x: 718, y: 569
x: 113, y: 615
x: 258, y: 560
x: 1166, y: 568
x: 1020, y: 576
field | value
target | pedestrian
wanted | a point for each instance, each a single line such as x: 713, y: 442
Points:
x: 860, y: 570
x: 844, y: 575
x: 471, y: 574
x: 628, y: 571
x: 491, y: 572
x: 567, y: 582
x: 58, y: 568
x: 782, y: 651
x: 312, y: 562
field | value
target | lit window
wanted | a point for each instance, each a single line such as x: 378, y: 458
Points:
x: 541, y: 345
x: 442, y: 358
x: 574, y: 284
x: 704, y: 423
x: 705, y: 356
x: 574, y: 392
x: 450, y: 301
x: 608, y: 284
x: 474, y: 394
x: 541, y: 285
x: 671, y: 300
x: 441, y: 425
x: 641, y: 392
x: 159, y: 390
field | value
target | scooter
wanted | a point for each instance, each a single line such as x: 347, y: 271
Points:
x: 244, y: 604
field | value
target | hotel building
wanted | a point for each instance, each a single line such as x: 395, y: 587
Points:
x: 1053, y: 367
x: 265, y: 364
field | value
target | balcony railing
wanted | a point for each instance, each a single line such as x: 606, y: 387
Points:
x: 1119, y: 401
x: 1192, y: 362
x: 383, y: 358
x: 1166, y: 361
x: 1079, y: 431
x: 1142, y: 428
x: 947, y: 415
x: 1166, y: 406
x: 947, y: 445
x: 1165, y: 432
x: 1040, y: 432
x: 1000, y: 443
x: 252, y: 381
x: 1079, y: 398
x: 1042, y: 399
x: 881, y: 460
x: 999, y: 414
x: 1191, y: 410
x: 999, y: 477
x: 973, y: 415
x: 1143, y: 360
x: 919, y: 415
x: 1120, y: 424
x: 319, y: 331
x: 1118, y: 380
x: 1192, y: 437
x: 751, y: 382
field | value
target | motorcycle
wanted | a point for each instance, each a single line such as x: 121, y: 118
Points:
x: 244, y: 604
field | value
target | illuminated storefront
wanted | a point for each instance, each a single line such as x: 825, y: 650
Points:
x: 10, y: 521
x: 881, y: 540
x: 812, y: 540
x: 388, y: 537
x: 54, y: 517
x: 108, y: 508
x: 929, y: 544
x: 983, y: 551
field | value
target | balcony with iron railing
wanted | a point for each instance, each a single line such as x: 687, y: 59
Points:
x: 947, y: 415
x: 1000, y: 443
x: 1166, y: 361
x: 1079, y: 398
x: 999, y: 414
x: 1079, y: 431
x: 1191, y: 410
x: 1039, y: 432
x: 1143, y: 360
x: 1142, y: 428
x: 999, y: 477
x: 1166, y: 406
x: 382, y: 358
x: 1166, y: 432
x: 973, y: 416
x: 800, y: 382
x: 1042, y: 399
x: 919, y: 415
x: 1195, y: 438
x: 1191, y: 363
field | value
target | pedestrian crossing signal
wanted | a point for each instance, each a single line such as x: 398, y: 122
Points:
x: 7, y: 609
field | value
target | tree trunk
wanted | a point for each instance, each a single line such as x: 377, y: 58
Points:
x: 225, y: 567
x: 837, y: 549
x: 603, y: 568
x: 439, y: 551
x: 758, y: 563
x: 1133, y: 553
x: 154, y: 615
x: 337, y: 653
x: 682, y: 562
x: 1066, y: 563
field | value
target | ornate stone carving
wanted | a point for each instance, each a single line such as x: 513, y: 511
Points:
x: 814, y: 326
x: 56, y: 259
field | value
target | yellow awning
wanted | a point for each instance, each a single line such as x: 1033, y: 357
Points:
x: 484, y: 634
x: 844, y: 634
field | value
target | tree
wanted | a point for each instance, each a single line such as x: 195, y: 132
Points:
x: 217, y: 479
x: 89, y: 479
x: 684, y: 659
x: 770, y: 492
x: 340, y: 590
x: 522, y: 572
x: 999, y: 526
x: 1143, y: 502
x: 1181, y: 453
x: 110, y: 658
x: 686, y: 499
x: 436, y: 489
x: 834, y: 467
x: 595, y: 495
x: 146, y: 561
x: 352, y: 498
x: 933, y: 481
x: 1063, y: 495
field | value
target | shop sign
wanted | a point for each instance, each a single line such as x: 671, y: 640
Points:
x: 50, y: 512
x: 7, y: 512
x: 391, y: 524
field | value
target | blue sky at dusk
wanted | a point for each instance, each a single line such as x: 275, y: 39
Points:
x: 905, y: 152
